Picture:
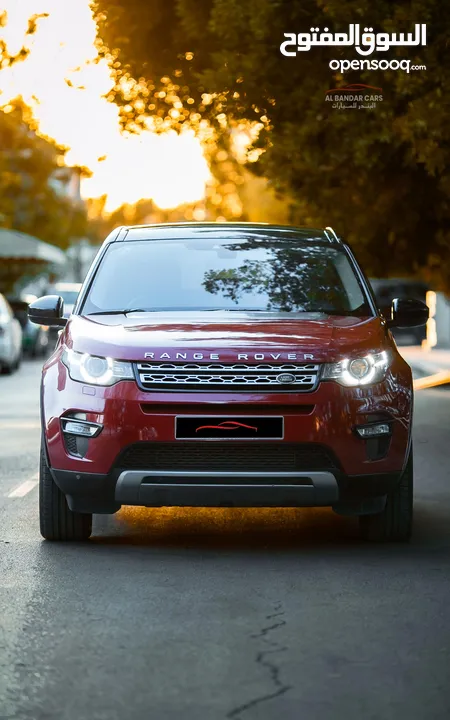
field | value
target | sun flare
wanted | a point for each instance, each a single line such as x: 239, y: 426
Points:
x: 65, y: 87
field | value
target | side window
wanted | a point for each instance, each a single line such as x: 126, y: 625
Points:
x: 349, y: 281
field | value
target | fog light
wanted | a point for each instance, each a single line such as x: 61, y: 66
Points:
x: 376, y: 430
x: 80, y: 428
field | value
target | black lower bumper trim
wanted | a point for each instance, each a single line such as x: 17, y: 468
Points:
x: 364, y: 494
x: 96, y: 493
x: 357, y: 487
x: 201, y: 489
x: 88, y: 492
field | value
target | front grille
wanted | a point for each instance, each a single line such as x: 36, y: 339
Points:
x: 227, y: 457
x: 227, y: 378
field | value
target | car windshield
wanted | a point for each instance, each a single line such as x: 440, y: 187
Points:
x: 182, y: 275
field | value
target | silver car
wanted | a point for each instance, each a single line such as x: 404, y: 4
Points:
x: 10, y: 338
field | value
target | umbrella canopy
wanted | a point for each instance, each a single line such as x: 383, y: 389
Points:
x: 16, y: 245
x: 23, y: 257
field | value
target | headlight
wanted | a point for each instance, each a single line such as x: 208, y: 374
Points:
x: 96, y: 370
x: 359, y: 371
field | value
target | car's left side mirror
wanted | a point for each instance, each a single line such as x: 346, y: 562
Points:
x: 408, y: 312
x: 48, y: 310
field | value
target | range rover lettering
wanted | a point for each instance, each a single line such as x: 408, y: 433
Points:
x: 226, y: 365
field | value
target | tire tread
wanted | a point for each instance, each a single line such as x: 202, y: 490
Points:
x: 57, y: 521
x: 394, y: 524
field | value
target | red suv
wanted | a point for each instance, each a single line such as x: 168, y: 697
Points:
x: 226, y: 365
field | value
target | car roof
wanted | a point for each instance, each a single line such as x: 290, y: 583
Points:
x: 226, y: 231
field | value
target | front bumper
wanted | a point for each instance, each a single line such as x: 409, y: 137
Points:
x: 107, y: 493
x: 249, y: 489
x: 326, y: 418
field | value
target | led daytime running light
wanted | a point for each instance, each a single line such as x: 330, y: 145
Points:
x: 376, y: 365
x: 101, y: 379
x: 94, y: 370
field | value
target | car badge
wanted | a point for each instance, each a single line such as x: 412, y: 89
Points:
x: 286, y: 378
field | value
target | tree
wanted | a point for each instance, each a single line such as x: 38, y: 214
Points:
x: 382, y: 179
x: 6, y: 58
x: 30, y: 165
x: 286, y: 278
x: 30, y: 197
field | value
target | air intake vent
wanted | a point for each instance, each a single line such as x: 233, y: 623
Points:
x: 227, y: 457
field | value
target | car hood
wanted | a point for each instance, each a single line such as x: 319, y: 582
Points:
x: 224, y: 336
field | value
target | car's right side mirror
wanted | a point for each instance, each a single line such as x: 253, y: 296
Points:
x: 47, y: 310
x: 408, y: 312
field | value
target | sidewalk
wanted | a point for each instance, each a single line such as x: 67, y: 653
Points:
x: 431, y: 366
x: 429, y: 361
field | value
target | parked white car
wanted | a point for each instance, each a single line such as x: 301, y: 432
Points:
x: 10, y: 338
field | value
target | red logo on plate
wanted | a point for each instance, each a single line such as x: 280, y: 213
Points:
x: 357, y: 87
x: 227, y: 425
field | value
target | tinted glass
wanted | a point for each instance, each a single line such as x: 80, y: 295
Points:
x: 278, y: 275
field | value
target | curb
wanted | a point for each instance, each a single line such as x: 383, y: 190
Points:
x: 435, y: 380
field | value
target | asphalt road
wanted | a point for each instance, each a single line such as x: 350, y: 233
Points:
x: 201, y: 615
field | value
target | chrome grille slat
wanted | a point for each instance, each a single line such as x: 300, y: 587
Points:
x: 159, y: 367
x: 235, y: 376
x: 223, y: 379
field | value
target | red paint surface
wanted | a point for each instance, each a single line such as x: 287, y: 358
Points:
x: 336, y: 409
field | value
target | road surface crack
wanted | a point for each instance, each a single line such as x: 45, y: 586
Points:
x: 265, y: 658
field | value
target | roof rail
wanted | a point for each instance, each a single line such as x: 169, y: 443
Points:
x: 329, y: 231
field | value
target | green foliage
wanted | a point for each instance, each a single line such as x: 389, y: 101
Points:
x: 380, y: 177
x: 29, y: 168
x: 29, y: 198
x: 288, y: 278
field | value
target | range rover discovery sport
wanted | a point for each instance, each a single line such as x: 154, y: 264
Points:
x: 226, y: 365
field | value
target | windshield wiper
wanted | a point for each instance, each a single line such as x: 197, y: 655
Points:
x: 217, y: 309
x: 174, y: 309
x: 343, y: 313
x: 118, y: 312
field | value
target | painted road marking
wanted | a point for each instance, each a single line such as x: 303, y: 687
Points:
x: 25, y: 487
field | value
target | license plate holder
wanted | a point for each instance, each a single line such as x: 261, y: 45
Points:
x: 229, y: 427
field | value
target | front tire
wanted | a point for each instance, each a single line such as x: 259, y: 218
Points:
x: 394, y: 524
x: 57, y: 521
x: 8, y: 369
